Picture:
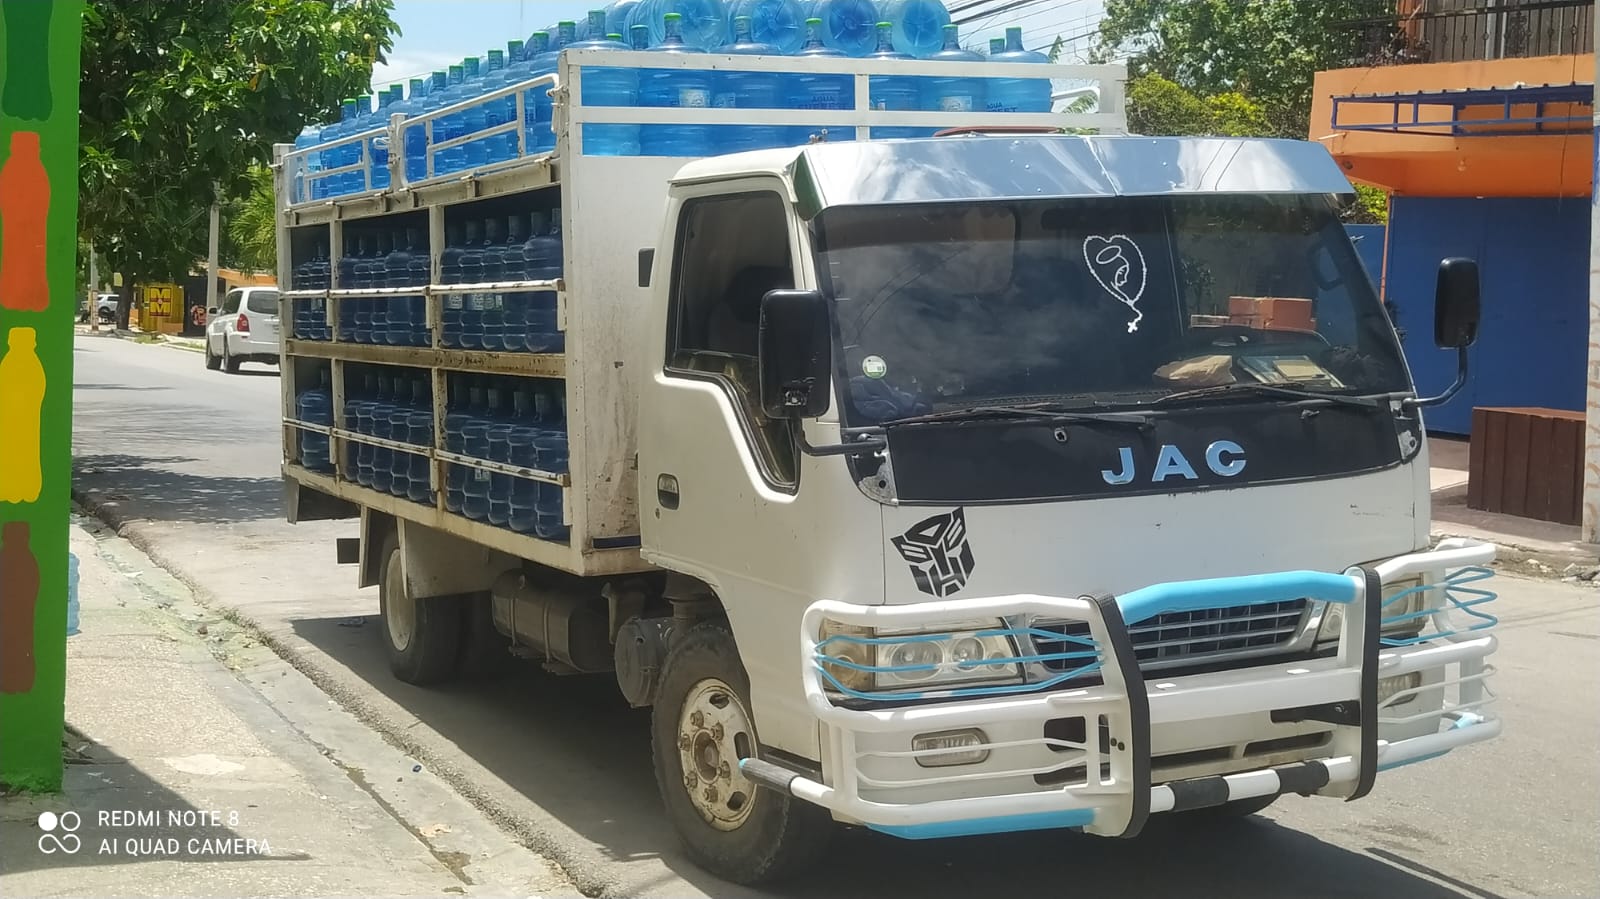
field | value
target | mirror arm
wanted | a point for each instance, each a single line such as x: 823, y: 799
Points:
x: 1450, y: 392
x: 858, y: 448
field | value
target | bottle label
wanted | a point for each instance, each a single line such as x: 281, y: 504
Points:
x: 694, y: 98
x: 961, y: 103
x: 453, y: 301
x: 479, y: 474
x: 727, y: 100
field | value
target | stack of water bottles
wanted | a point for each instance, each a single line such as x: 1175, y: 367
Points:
x: 515, y: 421
x: 803, y: 29
x: 311, y: 316
x: 392, y: 404
x: 381, y: 258
x: 315, y: 406
x: 501, y: 247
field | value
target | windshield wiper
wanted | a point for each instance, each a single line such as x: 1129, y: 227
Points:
x: 1364, y: 402
x: 1046, y: 412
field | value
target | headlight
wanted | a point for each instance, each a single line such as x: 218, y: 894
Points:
x: 1396, y: 615
x: 961, y: 654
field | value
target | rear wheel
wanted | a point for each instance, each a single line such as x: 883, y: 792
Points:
x: 212, y: 362
x: 701, y: 727
x: 229, y: 364
x: 420, y: 636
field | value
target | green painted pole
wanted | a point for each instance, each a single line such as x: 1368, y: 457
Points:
x: 39, y: 54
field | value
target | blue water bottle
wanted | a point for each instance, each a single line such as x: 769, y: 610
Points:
x: 954, y: 92
x: 918, y: 26
x: 608, y: 86
x: 619, y: 14
x: 493, y: 303
x: 702, y: 24
x: 471, y: 262
x: 780, y: 24
x: 682, y: 88
x: 419, y: 273
x: 311, y: 162
x: 811, y: 90
x: 542, y: 59
x: 457, y: 414
x: 450, y: 273
x: 542, y: 260
x: 849, y: 26
x: 894, y: 93
x: 1018, y: 94
x: 416, y: 134
x: 750, y: 90
x: 550, y: 455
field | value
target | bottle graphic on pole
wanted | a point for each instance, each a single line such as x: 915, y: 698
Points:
x: 21, y: 395
x: 19, y: 598
x: 27, y: 37
x: 24, y: 211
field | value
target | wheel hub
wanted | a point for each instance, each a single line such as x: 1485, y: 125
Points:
x: 398, y: 614
x: 714, y: 733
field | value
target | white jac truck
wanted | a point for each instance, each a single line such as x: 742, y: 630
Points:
x: 978, y: 483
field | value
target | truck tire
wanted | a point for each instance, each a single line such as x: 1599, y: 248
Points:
x: 421, y: 637
x: 700, y: 728
x: 485, y: 652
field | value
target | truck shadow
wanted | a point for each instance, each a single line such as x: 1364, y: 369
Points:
x: 573, y: 749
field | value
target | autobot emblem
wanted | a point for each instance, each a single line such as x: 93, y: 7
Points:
x: 938, y: 551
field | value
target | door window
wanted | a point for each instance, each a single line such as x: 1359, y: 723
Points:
x: 731, y: 251
x: 230, y: 303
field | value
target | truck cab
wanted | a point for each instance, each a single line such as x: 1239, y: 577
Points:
x: 908, y: 407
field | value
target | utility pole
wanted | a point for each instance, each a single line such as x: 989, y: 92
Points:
x: 94, y: 292
x: 1591, y: 433
x: 211, y: 249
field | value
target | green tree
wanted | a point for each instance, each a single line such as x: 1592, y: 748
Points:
x: 252, y: 226
x: 183, y: 97
x: 1157, y: 105
x: 1266, y: 50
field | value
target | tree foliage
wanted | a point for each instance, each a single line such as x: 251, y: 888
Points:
x: 1266, y: 50
x: 181, y: 96
x: 252, y: 226
x: 1157, y: 105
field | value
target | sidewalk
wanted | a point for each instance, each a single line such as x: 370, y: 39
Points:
x: 193, y: 344
x: 186, y: 778
x: 1536, y: 545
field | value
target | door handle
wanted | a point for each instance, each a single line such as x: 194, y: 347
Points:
x: 667, y: 491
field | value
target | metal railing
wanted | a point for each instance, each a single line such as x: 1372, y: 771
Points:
x: 1424, y: 31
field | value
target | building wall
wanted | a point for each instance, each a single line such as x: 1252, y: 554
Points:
x: 1533, y: 258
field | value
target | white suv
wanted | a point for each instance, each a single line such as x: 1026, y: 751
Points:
x: 244, y: 329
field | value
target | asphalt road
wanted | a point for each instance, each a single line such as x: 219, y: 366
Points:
x: 189, y: 458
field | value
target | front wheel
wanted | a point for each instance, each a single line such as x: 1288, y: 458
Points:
x: 212, y: 362
x: 701, y: 727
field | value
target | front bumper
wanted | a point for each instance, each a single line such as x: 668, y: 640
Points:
x: 1056, y: 755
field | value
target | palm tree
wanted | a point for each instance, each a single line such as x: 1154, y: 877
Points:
x: 252, y: 225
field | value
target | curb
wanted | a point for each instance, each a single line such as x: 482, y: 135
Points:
x: 529, y: 835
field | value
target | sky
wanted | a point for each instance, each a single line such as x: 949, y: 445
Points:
x: 436, y: 33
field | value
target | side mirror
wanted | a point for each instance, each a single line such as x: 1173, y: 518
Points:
x: 794, y: 354
x: 1455, y: 304
x: 1455, y: 320
x: 211, y: 311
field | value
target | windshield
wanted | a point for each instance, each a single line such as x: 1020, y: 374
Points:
x: 1099, y: 302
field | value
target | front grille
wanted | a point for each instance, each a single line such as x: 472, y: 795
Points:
x: 1188, y: 637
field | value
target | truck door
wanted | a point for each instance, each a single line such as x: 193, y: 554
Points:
x: 718, y: 481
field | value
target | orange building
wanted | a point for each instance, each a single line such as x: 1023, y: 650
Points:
x: 1477, y: 117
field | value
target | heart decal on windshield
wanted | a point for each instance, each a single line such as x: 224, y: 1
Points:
x: 1118, y: 265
